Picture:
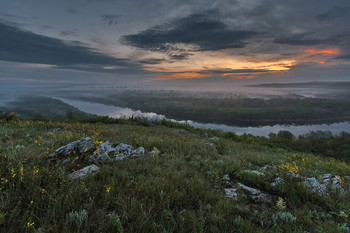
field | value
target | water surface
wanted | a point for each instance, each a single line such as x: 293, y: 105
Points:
x: 117, y: 112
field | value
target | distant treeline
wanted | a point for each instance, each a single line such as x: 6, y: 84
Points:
x: 41, y: 107
x: 235, y: 111
x: 317, y: 142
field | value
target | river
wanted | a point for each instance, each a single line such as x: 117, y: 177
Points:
x: 117, y: 112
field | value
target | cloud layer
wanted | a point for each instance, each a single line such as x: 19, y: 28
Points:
x: 18, y: 45
x: 164, y: 39
x: 196, y: 30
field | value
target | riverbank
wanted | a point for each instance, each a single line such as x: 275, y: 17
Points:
x: 296, y: 130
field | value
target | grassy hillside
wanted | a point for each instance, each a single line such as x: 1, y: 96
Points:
x: 178, y: 188
x: 42, y: 107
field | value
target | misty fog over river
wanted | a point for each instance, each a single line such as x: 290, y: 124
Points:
x: 117, y: 112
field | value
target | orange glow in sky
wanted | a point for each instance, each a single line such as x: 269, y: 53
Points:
x: 234, y: 66
x: 211, y: 61
x: 323, y: 51
x: 185, y: 75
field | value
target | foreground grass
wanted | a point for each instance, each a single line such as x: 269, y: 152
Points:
x: 179, y: 190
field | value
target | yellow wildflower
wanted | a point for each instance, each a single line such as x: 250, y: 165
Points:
x: 13, y: 173
x: 36, y: 170
x: 281, y: 204
x: 29, y: 224
x: 108, y: 189
x: 21, y: 173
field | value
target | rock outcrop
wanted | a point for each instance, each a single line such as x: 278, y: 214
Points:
x: 78, y: 146
x: 106, y: 152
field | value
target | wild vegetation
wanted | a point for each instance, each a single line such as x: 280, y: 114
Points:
x: 178, y: 189
x: 41, y: 107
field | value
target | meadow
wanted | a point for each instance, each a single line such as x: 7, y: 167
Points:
x: 180, y: 188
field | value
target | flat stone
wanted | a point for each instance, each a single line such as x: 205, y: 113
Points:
x: 255, y: 172
x: 83, y: 172
x: 231, y: 193
x: 214, y: 138
x: 254, y: 194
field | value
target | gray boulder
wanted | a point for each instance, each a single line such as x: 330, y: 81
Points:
x: 106, y: 152
x: 80, y: 146
x: 331, y: 181
x: 277, y: 181
x: 315, y: 186
x: 138, y: 151
x: 214, y: 138
x: 83, y: 172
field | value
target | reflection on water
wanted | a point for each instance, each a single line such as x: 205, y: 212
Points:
x: 117, y: 112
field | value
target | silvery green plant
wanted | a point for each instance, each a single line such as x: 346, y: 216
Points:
x: 286, y: 217
x: 344, y: 228
x: 76, y: 218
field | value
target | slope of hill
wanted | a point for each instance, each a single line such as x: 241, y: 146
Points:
x: 187, y: 180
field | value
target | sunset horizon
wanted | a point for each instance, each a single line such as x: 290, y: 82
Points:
x: 168, y: 43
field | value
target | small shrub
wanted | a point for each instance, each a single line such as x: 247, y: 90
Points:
x: 76, y: 218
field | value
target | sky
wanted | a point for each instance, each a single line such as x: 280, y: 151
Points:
x: 167, y: 42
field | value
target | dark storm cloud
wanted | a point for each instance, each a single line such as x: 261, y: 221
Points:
x: 151, y: 61
x: 305, y: 39
x: 110, y: 19
x: 300, y: 39
x: 178, y: 56
x: 196, y: 29
x: 335, y: 13
x: 17, y: 45
x: 345, y: 57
